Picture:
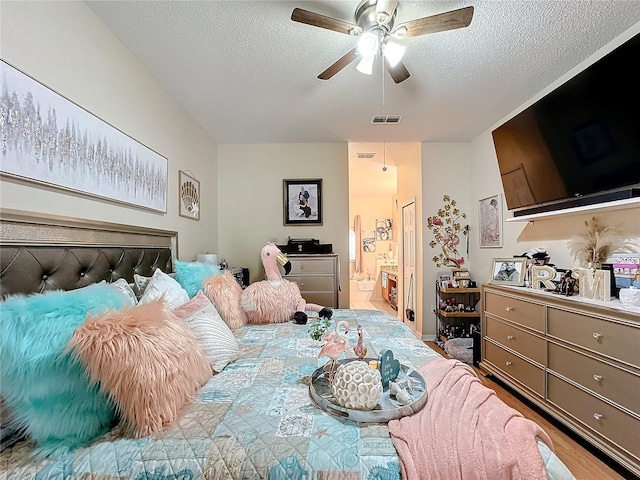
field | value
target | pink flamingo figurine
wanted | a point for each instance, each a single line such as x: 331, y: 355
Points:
x: 334, y: 346
x: 360, y: 349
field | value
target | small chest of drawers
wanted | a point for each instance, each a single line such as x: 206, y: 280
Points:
x: 317, y: 276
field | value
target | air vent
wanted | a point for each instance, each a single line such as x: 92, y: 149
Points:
x: 366, y: 155
x: 386, y: 119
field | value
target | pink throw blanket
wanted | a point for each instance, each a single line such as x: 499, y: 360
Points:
x: 465, y: 431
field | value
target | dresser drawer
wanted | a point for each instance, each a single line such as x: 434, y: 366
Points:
x: 311, y: 266
x: 522, y: 342
x: 617, y: 385
x: 615, y: 425
x: 514, y: 366
x: 310, y: 284
x: 518, y: 311
x: 615, y: 340
x: 320, y: 298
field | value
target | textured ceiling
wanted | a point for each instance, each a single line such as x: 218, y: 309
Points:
x: 247, y: 73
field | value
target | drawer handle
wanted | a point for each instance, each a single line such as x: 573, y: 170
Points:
x: 597, y: 377
x: 302, y: 284
x: 507, y: 363
x: 509, y: 337
x: 301, y: 267
x: 597, y: 416
x: 597, y: 335
x: 508, y: 309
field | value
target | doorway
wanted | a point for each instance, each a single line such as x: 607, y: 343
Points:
x: 372, y: 232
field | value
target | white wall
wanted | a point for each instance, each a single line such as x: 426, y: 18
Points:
x: 251, y: 203
x: 67, y: 48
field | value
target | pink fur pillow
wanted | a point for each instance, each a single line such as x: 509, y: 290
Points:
x: 147, y: 360
x: 224, y: 292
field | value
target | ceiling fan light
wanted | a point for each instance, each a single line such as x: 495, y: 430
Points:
x: 393, y: 53
x: 383, y: 17
x: 365, y: 65
x: 400, y: 31
x: 368, y: 44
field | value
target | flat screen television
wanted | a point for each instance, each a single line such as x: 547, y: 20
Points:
x: 580, y: 144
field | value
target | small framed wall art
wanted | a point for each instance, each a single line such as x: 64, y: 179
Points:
x: 188, y: 195
x: 302, y: 201
x: 490, y: 220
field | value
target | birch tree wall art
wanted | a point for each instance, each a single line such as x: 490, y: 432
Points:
x: 48, y: 139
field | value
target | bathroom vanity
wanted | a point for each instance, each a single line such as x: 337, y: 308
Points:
x: 390, y: 285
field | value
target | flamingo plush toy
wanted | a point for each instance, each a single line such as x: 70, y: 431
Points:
x: 276, y: 300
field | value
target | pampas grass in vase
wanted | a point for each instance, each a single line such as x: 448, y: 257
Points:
x: 597, y: 243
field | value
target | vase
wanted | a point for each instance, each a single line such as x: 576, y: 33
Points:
x: 357, y: 386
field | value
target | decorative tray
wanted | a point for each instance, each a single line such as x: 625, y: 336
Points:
x: 388, y: 407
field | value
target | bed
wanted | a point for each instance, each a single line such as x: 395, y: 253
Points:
x: 252, y: 419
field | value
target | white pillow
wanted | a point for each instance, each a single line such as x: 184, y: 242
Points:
x: 123, y: 286
x: 213, y: 334
x: 139, y: 284
x: 162, y: 284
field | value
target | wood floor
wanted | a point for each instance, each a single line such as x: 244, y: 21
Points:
x: 584, y: 461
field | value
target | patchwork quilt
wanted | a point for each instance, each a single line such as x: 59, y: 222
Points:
x: 253, y: 420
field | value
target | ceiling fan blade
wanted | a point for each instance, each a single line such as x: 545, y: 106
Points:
x: 436, y: 23
x: 385, y: 10
x: 399, y: 73
x: 346, y: 59
x: 317, y: 20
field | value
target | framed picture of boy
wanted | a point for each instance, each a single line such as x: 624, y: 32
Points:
x: 302, y: 201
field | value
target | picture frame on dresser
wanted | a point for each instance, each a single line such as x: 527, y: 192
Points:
x: 508, y: 271
x: 302, y: 201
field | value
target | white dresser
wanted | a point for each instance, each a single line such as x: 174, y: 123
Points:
x: 577, y: 359
x: 318, y: 276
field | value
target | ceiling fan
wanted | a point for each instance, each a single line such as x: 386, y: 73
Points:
x: 376, y: 29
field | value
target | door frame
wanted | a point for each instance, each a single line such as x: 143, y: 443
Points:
x: 412, y: 257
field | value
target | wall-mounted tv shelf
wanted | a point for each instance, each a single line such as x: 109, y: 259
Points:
x: 600, y: 207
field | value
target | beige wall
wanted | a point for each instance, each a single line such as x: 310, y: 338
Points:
x: 469, y: 172
x: 64, y: 46
x: 251, y: 201
x: 551, y: 233
x: 410, y: 171
x: 446, y: 170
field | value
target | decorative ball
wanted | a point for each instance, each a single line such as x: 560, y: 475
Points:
x: 357, y: 386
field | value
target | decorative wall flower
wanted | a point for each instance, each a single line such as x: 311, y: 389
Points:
x: 446, y: 228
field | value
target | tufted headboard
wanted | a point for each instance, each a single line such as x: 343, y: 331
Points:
x: 46, y: 252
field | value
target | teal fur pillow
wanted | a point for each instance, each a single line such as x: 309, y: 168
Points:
x: 191, y: 275
x: 46, y: 387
